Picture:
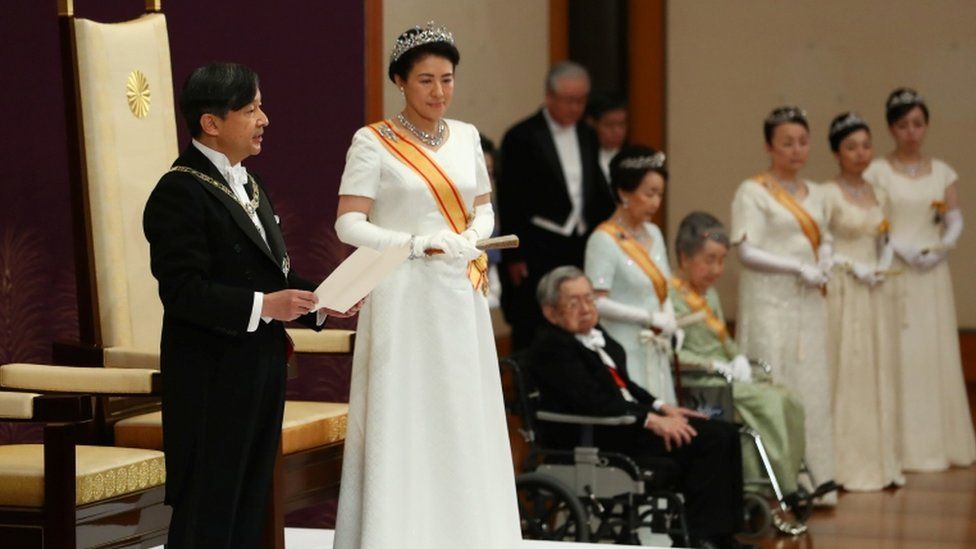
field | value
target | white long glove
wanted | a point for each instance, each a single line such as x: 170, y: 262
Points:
x: 665, y: 319
x: 738, y: 369
x: 953, y: 228
x: 862, y: 272
x: 354, y: 229
x: 453, y: 245
x: 753, y: 257
x: 482, y: 225
x: 622, y: 312
x: 741, y: 369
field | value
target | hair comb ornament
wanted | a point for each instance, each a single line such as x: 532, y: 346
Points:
x: 906, y: 97
x: 785, y: 114
x: 428, y: 34
x: 852, y: 119
x: 647, y: 162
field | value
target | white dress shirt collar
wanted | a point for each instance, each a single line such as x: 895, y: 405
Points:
x: 234, y: 175
x: 555, y: 127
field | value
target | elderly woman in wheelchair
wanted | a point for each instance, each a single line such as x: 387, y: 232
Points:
x: 722, y: 383
x: 580, y: 371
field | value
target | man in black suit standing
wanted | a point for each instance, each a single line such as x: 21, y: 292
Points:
x: 550, y: 193
x: 579, y: 369
x: 226, y: 287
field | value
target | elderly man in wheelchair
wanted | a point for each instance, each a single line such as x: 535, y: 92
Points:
x: 580, y: 370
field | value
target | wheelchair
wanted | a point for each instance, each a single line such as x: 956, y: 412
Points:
x: 586, y: 494
x: 765, y: 505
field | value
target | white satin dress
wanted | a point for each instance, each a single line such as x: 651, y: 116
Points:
x: 427, y: 461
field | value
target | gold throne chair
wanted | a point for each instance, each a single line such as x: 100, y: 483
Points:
x: 124, y: 111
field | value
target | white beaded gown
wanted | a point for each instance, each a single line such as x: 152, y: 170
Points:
x: 427, y: 461
x: 934, y: 417
x: 862, y: 339
x: 781, y: 319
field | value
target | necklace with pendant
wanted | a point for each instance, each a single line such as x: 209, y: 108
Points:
x: 912, y: 170
x: 640, y: 234
x: 431, y: 140
x: 857, y: 191
x: 789, y: 186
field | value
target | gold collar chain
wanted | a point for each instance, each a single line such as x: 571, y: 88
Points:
x: 250, y: 207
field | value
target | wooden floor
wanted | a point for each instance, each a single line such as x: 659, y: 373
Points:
x: 932, y: 511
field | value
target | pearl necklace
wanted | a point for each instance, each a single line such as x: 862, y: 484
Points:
x: 426, y: 138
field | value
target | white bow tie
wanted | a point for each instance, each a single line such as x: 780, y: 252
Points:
x: 237, y: 175
x: 593, y: 340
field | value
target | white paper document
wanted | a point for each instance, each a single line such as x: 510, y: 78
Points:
x: 358, y: 275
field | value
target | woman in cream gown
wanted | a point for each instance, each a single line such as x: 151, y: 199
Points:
x: 427, y: 461
x: 777, y: 227
x: 631, y: 287
x: 862, y: 325
x: 926, y: 222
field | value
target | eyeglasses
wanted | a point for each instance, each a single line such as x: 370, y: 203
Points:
x: 577, y: 303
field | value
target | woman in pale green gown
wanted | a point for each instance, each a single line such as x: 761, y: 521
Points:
x: 772, y: 410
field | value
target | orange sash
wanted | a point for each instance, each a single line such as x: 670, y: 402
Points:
x: 640, y: 256
x: 809, y: 227
x: 443, y: 190
x: 698, y: 303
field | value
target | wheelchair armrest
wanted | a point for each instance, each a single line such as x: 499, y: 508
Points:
x: 554, y: 417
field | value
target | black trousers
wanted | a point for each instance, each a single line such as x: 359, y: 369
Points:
x: 225, y: 500
x: 710, y: 471
x: 543, y: 251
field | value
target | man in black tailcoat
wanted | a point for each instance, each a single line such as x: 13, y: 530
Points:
x: 551, y: 193
x: 227, y: 288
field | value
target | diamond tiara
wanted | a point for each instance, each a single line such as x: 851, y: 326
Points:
x: 648, y: 162
x: 785, y: 114
x: 424, y: 35
x: 849, y: 121
x: 906, y: 97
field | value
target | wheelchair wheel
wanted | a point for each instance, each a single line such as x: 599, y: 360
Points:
x: 549, y: 510
x: 758, y: 518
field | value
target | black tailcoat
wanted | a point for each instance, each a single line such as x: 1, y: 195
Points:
x: 532, y: 184
x: 223, y: 387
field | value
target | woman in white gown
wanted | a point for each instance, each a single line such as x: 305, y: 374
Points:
x: 926, y: 222
x: 627, y: 261
x: 778, y: 229
x: 863, y: 331
x: 427, y: 460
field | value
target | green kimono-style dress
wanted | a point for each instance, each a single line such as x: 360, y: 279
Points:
x: 772, y: 410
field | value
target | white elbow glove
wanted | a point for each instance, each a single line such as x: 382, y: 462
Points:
x: 621, y: 312
x: 741, y: 369
x: 753, y: 257
x: 953, y: 228
x: 453, y: 246
x: 665, y: 319
x: 482, y: 225
x: 354, y: 229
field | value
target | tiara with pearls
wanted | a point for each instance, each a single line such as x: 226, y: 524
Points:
x: 424, y: 35
x: 647, y: 162
x: 849, y: 121
x: 785, y: 114
x: 906, y: 97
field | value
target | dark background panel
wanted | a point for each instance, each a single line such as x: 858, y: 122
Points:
x: 309, y: 56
